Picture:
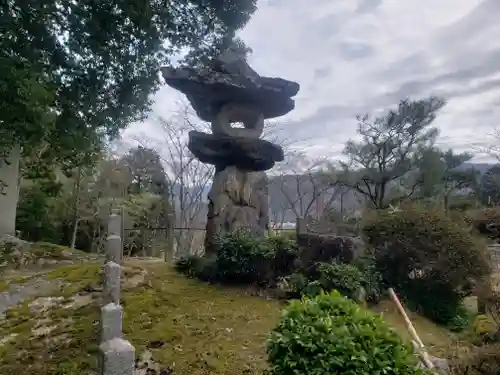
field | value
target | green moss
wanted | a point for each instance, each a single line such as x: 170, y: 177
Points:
x: 77, y: 278
x: 204, y: 329
x: 17, y: 280
x: 53, y: 251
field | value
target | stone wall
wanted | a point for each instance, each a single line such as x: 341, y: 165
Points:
x: 117, y: 354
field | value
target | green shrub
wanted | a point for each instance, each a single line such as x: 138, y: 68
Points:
x: 243, y: 258
x: 372, y: 279
x: 331, y: 334
x: 294, y: 285
x: 203, y: 268
x: 433, y: 260
x: 345, y: 278
x: 285, y: 254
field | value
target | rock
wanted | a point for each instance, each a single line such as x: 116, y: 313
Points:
x: 208, y: 91
x: 442, y: 365
x: 66, y: 254
x: 327, y: 248
x: 244, y: 153
x: 237, y: 200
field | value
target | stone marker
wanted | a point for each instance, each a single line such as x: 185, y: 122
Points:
x: 111, y: 322
x: 114, y: 223
x: 117, y: 357
x: 114, y: 248
x: 111, y: 287
x: 231, y: 91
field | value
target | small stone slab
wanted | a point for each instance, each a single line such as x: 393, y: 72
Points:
x: 112, y: 278
x: 114, y: 248
x: 114, y: 224
x: 111, y: 322
x: 117, y: 357
x: 208, y: 91
x: 244, y: 153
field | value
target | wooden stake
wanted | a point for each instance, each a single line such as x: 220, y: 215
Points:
x: 409, y: 326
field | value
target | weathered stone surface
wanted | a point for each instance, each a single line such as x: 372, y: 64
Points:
x: 237, y: 200
x: 111, y: 321
x: 244, y: 153
x: 326, y: 248
x: 117, y: 357
x: 252, y: 119
x: 209, y: 90
x: 114, y: 224
x: 114, y: 249
x: 112, y: 278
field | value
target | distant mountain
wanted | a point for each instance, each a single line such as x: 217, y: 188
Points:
x: 481, y: 167
x: 290, y: 195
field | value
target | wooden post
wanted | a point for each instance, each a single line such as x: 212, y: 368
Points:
x: 170, y: 238
x: 411, y: 329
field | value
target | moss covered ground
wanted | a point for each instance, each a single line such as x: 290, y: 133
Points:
x: 188, y: 326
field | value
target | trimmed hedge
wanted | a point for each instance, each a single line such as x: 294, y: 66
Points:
x: 330, y: 334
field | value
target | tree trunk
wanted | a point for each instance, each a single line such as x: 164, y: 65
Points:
x: 9, y: 189
x: 75, y: 233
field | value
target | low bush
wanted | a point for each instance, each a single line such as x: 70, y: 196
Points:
x: 293, y: 285
x: 285, y: 254
x: 243, y: 258
x: 431, y: 259
x: 345, y: 278
x: 328, y: 248
x: 330, y: 334
x: 203, y: 268
x: 372, y: 281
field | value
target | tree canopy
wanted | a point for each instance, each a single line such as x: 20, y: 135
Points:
x: 390, y: 149
x: 74, y: 73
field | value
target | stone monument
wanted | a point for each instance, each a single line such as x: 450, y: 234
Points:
x: 230, y: 92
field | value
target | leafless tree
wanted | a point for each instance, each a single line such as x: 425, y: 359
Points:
x: 306, y: 188
x: 188, y: 178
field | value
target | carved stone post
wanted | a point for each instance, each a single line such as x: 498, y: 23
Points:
x: 117, y: 354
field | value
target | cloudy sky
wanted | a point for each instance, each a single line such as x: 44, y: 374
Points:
x: 357, y: 56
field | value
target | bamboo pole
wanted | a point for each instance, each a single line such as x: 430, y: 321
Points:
x: 411, y: 329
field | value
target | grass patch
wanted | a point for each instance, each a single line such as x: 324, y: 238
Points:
x: 197, y: 329
x: 205, y: 330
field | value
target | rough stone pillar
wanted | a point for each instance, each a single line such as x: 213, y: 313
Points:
x: 238, y: 200
x: 9, y: 189
x: 117, y: 357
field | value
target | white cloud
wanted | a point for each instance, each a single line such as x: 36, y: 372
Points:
x: 352, y: 57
